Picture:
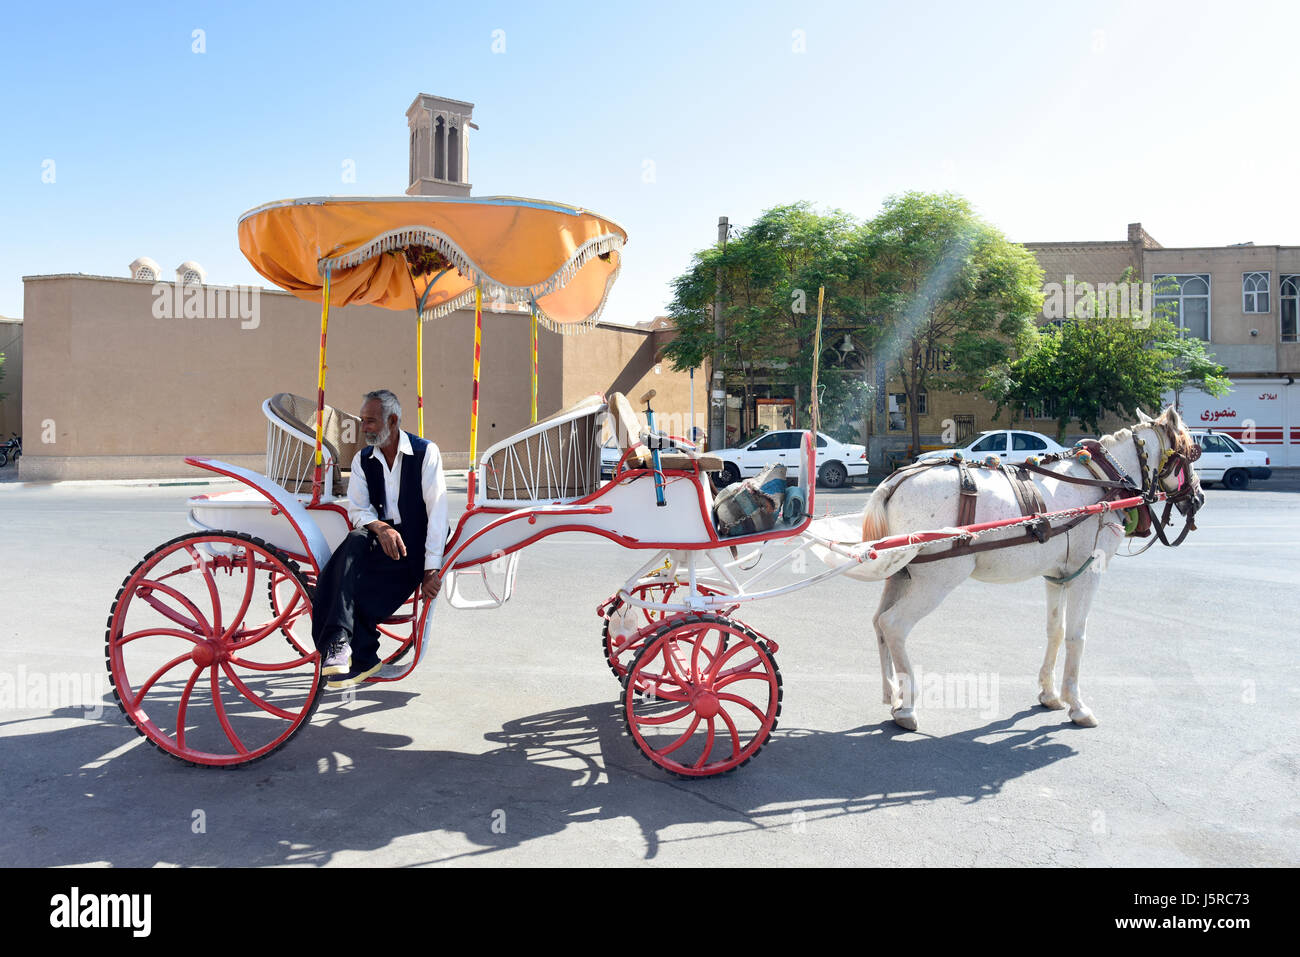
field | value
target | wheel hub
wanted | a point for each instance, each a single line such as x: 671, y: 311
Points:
x: 206, y: 652
x: 706, y: 704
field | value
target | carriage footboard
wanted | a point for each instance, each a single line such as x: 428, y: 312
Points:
x: 498, y: 583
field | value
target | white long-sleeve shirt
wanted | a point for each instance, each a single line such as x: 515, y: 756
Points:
x: 433, y: 484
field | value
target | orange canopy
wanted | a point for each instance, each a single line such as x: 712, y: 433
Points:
x: 561, y: 258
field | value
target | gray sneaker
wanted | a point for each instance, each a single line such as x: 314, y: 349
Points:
x: 338, y: 657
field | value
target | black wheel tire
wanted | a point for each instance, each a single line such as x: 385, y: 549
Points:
x: 1236, y: 480
x: 4, y: 458
x: 729, y: 475
x: 833, y: 475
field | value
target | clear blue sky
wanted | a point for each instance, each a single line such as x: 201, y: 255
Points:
x: 1058, y: 121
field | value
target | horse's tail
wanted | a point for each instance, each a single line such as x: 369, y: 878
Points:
x: 875, y: 523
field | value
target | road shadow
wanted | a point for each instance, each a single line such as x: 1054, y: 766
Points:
x: 98, y: 792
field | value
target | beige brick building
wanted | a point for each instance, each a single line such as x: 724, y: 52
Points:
x: 1243, y: 300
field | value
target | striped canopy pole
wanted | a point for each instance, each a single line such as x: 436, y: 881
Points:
x: 533, y: 314
x: 473, y: 411
x: 419, y: 375
x: 419, y: 350
x: 318, y: 482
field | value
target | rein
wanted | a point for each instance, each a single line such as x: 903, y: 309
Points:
x: 1117, y: 484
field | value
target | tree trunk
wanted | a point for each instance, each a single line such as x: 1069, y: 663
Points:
x: 913, y: 387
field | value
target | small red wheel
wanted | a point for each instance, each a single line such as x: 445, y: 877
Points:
x: 188, y: 654
x: 621, y: 645
x: 702, y: 696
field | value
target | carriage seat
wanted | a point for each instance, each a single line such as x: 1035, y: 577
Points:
x: 555, y: 460
x: 631, y: 434
x: 291, y: 442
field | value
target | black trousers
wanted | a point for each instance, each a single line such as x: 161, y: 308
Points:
x: 358, y: 588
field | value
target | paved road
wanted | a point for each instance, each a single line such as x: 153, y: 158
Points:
x: 506, y: 747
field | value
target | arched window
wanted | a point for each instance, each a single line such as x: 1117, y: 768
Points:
x: 1254, y: 292
x: 453, y: 154
x: 439, y: 149
x: 1290, y: 307
x: 1184, y: 301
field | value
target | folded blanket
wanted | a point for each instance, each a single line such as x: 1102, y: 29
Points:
x: 752, y: 505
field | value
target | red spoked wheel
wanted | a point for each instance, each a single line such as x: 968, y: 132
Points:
x: 188, y: 652
x: 392, y: 645
x: 280, y: 590
x: 711, y: 695
x: 623, y: 634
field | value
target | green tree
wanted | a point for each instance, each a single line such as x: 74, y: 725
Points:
x: 770, y: 276
x: 1102, y: 361
x: 940, y: 278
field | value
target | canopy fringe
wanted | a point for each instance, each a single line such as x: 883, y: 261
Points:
x: 397, y: 239
x: 465, y: 299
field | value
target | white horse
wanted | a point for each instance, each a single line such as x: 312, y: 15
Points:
x: 928, y: 499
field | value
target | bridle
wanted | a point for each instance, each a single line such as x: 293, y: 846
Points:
x: 1173, y: 475
x: 1172, y: 478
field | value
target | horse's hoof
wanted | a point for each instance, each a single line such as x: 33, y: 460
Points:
x: 905, y: 718
x: 1050, y: 701
x: 1084, y: 718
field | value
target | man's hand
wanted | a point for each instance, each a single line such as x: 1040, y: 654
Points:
x: 432, y: 584
x: 389, y: 540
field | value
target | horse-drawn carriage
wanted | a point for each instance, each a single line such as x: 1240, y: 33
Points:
x: 209, y: 643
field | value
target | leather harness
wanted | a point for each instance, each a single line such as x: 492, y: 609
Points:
x: 1114, y: 482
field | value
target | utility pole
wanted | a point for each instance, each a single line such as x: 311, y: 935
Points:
x: 717, y: 391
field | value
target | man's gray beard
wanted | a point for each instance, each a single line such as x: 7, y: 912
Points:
x: 380, y: 439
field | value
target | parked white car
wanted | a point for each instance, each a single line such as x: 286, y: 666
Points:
x: 1224, y: 459
x: 1012, y: 446
x: 611, y: 453
x: 837, y: 462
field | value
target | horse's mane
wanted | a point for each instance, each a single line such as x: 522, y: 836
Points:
x: 1169, y: 422
x: 1115, y: 438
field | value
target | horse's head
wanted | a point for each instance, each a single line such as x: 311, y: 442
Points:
x: 1174, y: 473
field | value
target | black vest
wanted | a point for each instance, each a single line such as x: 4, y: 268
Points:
x: 410, y: 495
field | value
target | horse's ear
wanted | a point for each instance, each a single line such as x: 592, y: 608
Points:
x: 1143, y: 417
x: 1173, y: 418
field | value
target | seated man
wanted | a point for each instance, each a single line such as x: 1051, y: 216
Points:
x: 397, y: 501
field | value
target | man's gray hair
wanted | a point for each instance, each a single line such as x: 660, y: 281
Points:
x: 389, y: 402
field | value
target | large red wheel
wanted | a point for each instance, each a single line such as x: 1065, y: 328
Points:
x: 191, y: 656
x: 702, y: 696
x: 281, y: 589
x: 393, y: 645
x: 623, y: 634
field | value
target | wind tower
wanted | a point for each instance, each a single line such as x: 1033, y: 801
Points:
x: 439, y: 146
